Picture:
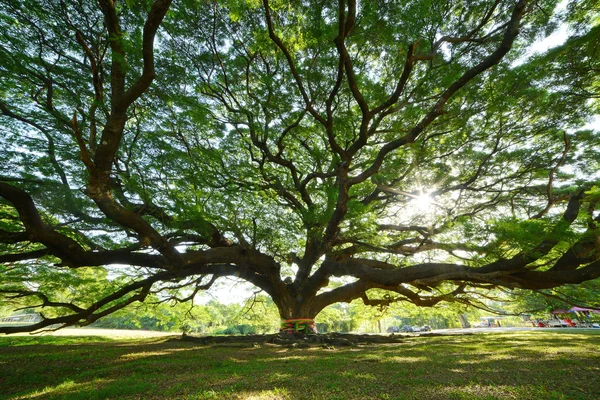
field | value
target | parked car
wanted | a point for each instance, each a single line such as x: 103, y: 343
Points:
x: 558, y: 323
x: 407, y: 328
x: 424, y: 328
x: 393, y: 329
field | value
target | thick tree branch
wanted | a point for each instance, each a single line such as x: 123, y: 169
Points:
x: 29, y: 255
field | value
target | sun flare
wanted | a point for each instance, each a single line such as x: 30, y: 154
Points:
x: 423, y: 203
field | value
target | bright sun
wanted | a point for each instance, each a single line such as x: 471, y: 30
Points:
x: 418, y: 205
x: 423, y: 203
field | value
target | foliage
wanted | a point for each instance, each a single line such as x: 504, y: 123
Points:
x: 542, y: 303
x: 212, y: 317
x: 409, y: 152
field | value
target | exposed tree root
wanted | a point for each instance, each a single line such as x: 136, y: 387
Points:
x: 300, y: 340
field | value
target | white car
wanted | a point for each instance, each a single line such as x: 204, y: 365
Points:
x: 558, y: 323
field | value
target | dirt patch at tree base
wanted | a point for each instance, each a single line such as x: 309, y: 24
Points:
x: 301, y: 340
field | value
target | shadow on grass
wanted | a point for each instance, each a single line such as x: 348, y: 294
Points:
x: 501, y: 366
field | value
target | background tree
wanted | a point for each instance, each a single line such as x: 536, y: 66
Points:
x: 259, y: 315
x: 316, y: 150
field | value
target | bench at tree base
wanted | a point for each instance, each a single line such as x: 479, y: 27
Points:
x: 305, y: 325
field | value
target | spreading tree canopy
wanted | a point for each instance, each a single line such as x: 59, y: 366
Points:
x: 322, y: 151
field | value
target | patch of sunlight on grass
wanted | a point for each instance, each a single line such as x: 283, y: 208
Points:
x: 279, y: 376
x: 144, y: 354
x: 130, y: 342
x: 470, y: 361
x: 288, y: 358
x: 63, y: 388
x: 372, y: 358
x: 457, y: 370
x: 359, y: 375
x: 477, y: 391
x: 404, y: 360
x: 274, y: 394
x: 207, y: 395
x: 501, y: 356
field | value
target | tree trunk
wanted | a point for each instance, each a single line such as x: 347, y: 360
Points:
x: 295, y: 311
x: 464, y: 322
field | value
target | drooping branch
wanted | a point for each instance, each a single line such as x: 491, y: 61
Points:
x: 90, y: 314
x: 141, y: 289
x: 196, y: 285
x: 46, y: 302
x: 565, y: 299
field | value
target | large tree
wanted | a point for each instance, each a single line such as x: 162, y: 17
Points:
x: 322, y: 151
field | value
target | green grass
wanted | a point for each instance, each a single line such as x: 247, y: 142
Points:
x: 524, y: 365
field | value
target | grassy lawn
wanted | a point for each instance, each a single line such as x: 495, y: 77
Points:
x: 523, y: 365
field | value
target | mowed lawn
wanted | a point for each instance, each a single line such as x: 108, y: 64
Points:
x: 520, y: 365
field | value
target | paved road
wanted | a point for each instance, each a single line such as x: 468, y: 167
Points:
x: 513, y: 329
